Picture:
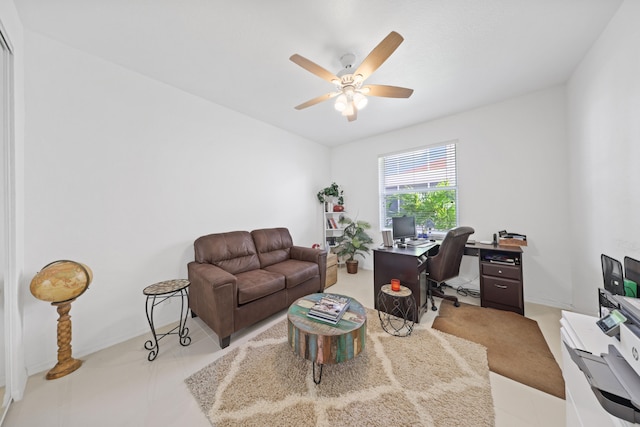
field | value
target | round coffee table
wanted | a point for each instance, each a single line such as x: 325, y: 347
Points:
x: 321, y: 342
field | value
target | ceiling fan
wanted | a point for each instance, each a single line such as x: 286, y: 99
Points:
x: 351, y: 92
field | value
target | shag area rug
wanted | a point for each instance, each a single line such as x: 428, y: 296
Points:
x: 515, y: 345
x: 426, y: 379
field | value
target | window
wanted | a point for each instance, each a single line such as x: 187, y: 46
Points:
x: 420, y: 183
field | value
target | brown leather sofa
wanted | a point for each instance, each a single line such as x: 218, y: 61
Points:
x: 239, y: 278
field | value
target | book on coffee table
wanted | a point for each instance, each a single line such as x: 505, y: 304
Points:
x: 330, y: 308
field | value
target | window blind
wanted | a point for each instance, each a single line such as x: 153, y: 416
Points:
x: 407, y: 180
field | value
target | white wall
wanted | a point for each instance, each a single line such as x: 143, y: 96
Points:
x: 123, y: 173
x: 604, y: 130
x: 512, y: 174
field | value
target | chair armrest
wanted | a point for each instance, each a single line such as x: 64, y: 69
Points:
x: 212, y: 296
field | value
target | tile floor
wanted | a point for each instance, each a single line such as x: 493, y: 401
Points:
x: 118, y: 386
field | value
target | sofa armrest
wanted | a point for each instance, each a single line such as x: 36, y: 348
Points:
x: 210, y: 274
x: 317, y: 256
x: 302, y: 253
x: 212, y: 296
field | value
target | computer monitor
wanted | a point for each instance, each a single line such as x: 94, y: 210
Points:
x: 404, y: 227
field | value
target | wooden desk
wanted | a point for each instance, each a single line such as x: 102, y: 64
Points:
x: 406, y: 264
x: 501, y: 286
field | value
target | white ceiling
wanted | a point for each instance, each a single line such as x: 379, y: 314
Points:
x: 457, y: 54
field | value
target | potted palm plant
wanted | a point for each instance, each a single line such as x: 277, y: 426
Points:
x: 354, y: 241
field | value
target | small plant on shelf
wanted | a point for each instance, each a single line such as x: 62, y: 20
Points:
x: 332, y: 192
x: 354, y: 241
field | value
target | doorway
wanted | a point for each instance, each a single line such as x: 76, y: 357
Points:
x: 7, y: 223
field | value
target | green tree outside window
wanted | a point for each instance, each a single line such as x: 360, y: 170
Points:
x: 433, y: 209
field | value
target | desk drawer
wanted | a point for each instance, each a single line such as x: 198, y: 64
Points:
x: 500, y: 270
x: 502, y: 291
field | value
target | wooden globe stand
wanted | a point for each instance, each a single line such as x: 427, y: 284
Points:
x: 60, y: 283
x: 66, y: 364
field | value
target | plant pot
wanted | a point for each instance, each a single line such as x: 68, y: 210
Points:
x: 352, y: 266
x: 338, y: 208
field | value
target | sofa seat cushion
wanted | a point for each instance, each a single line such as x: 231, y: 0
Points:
x: 255, y: 284
x: 295, y: 271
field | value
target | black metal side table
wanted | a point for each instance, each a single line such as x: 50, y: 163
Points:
x: 158, y: 293
x: 396, y: 310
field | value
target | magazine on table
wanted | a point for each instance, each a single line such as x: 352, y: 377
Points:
x: 330, y: 308
x: 323, y: 319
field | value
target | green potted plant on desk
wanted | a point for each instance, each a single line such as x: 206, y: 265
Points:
x: 354, y: 241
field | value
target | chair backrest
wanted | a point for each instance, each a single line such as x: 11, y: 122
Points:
x: 445, y: 264
x: 612, y: 275
x: 632, y: 269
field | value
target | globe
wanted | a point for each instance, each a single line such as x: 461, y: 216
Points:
x: 61, y: 281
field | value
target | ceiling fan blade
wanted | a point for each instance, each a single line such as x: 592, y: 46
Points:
x: 379, y: 54
x: 387, y: 91
x: 317, y: 100
x: 314, y: 68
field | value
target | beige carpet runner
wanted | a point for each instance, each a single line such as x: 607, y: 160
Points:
x: 426, y: 379
x: 515, y: 345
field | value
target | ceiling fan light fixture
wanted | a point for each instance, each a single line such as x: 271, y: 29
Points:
x: 359, y: 100
x: 348, y: 111
x: 341, y: 102
x: 350, y: 94
x: 349, y: 91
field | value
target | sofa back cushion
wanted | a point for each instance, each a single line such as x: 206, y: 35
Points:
x: 273, y: 245
x: 234, y: 251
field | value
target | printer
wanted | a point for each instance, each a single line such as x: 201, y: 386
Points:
x: 614, y: 377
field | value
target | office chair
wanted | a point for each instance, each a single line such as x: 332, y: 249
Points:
x: 612, y: 275
x: 632, y: 269
x: 445, y: 264
x: 632, y: 272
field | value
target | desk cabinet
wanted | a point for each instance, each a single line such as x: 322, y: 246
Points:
x: 407, y: 265
x: 501, y: 284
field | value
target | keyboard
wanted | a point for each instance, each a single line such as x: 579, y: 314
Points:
x: 419, y: 242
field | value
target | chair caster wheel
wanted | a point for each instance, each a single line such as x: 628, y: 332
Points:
x: 457, y: 304
x: 434, y: 308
